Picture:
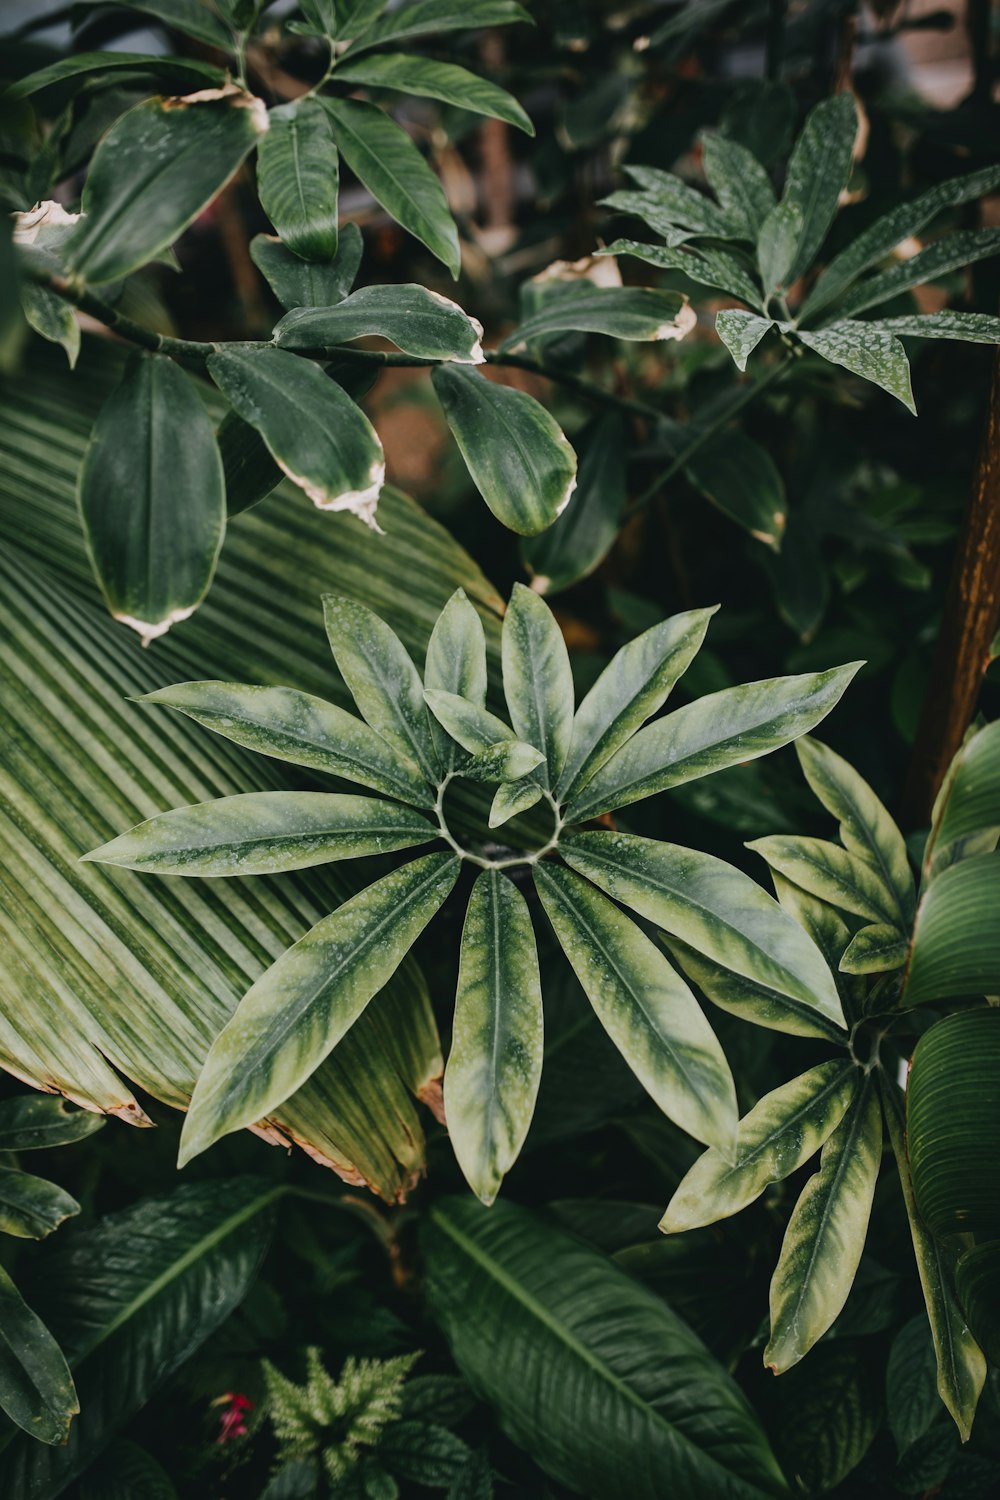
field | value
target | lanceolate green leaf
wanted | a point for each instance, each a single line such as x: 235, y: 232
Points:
x: 703, y: 264
x: 880, y: 239
x: 826, y: 1235
x: 498, y: 754
x: 742, y: 479
x: 518, y: 456
x: 129, y: 1300
x: 645, y: 1007
x: 961, y: 1368
x: 506, y: 760
x: 634, y: 684
x: 588, y: 1371
x: 829, y: 872
x: 495, y: 1063
x: 741, y: 332
x: 182, y: 69
x: 866, y: 828
x: 190, y: 17
x: 537, y: 679
x: 51, y: 317
x: 974, y: 328
x: 740, y: 183
x: 263, y: 833
x: 297, y: 1012
x: 865, y: 350
x: 513, y: 798
x: 298, y: 178
x: 152, y: 497
x: 34, y: 1122
x: 711, y: 906
x: 30, y: 1207
x: 303, y: 730
x: 752, y: 1000
x: 456, y: 652
x: 636, y: 313
x: 672, y: 202
x: 952, y: 253
x: 154, y: 172
x: 36, y: 1387
x: 427, y: 17
x: 389, y: 165
x: 817, y: 174
x: 414, y: 319
x: 875, y: 950
x: 722, y: 729
x: 780, y: 1133
x: 956, y: 939
x: 313, y: 430
x: 304, y: 283
x: 435, y: 80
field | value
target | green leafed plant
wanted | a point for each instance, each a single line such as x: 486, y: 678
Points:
x: 766, y: 251
x: 890, y: 947
x: 413, y: 740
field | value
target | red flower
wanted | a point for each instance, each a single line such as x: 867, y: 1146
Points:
x: 232, y: 1418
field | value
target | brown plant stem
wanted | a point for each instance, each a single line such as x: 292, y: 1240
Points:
x: 968, y: 625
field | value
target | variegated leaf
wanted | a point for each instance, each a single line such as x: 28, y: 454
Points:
x: 537, y: 679
x: 826, y: 870
x: 495, y: 1063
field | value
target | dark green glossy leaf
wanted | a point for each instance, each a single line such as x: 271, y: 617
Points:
x: 579, y: 540
x: 827, y: 1411
x: 742, y: 479
x: 967, y: 812
x: 51, y: 317
x: 705, y: 265
x: 952, y: 253
x: 298, y: 178
x: 30, y: 1207
x: 519, y: 458
x: 183, y: 69
x: 264, y: 833
x: 977, y: 1286
x: 35, y: 1122
x: 303, y: 283
x: 386, y: 161
x: 711, y: 906
x: 414, y: 319
x: 645, y: 1007
x: 826, y: 1235
x: 152, y: 497
x: 130, y: 1299
x: 301, y: 1007
x: 427, y: 17
x: 127, y: 1472
x: 495, y: 1063
x: 780, y: 1134
x: 313, y: 430
x: 635, y: 313
x: 36, y: 1387
x: 664, y: 201
x: 911, y: 1383
x: 589, y: 1372
x: 722, y: 729
x: 190, y: 17
x: 154, y: 172
x: 435, y: 80
x: 632, y: 687
x: 300, y: 729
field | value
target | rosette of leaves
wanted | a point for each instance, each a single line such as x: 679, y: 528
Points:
x: 359, y: 1434
x: 891, y: 947
x: 412, y: 740
x: 36, y: 1387
x: 765, y: 250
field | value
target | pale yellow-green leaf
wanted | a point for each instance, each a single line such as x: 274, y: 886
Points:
x: 537, y: 680
x: 826, y: 870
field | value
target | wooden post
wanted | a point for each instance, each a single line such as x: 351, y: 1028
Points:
x: 968, y: 626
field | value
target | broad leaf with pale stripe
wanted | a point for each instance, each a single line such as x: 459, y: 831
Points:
x: 829, y: 872
x: 826, y: 1234
x: 722, y: 729
x: 414, y: 319
x: 31, y: 1207
x: 297, y: 1012
x: 518, y: 456
x: 781, y: 1132
x: 495, y: 1063
x: 263, y: 833
x: 645, y: 1007
x: 956, y: 939
x: 537, y: 679
x: 301, y: 729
